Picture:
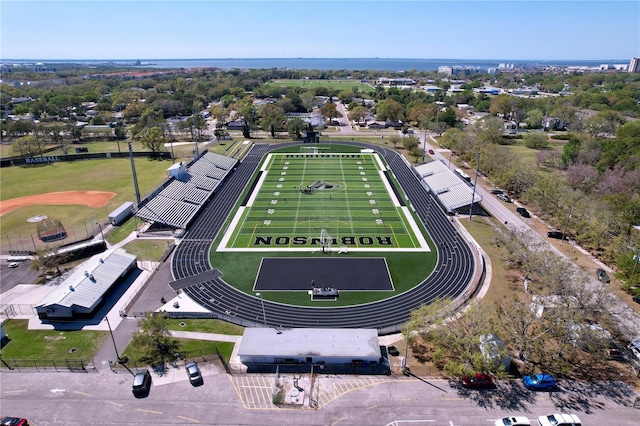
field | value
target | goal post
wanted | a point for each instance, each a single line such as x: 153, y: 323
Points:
x: 308, y: 150
x: 325, y: 240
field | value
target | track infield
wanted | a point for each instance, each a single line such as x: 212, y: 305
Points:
x: 303, y: 274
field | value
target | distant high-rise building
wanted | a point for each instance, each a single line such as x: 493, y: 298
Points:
x: 634, y: 65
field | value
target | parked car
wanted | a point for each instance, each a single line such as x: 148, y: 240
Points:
x: 497, y: 191
x: 513, y: 421
x: 636, y: 299
x: 393, y: 351
x: 539, y: 382
x: 634, y: 347
x: 14, y: 265
x: 431, y: 152
x: 141, y: 383
x: 477, y: 381
x: 194, y: 373
x: 504, y: 197
x: 523, y: 212
x: 559, y: 419
x: 556, y: 234
x: 13, y: 421
x: 602, y: 276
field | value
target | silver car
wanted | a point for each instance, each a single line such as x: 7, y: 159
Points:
x: 194, y: 373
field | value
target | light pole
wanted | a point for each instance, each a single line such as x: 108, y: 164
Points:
x: 264, y: 314
x: 100, y: 227
x: 112, y: 338
x: 405, y: 369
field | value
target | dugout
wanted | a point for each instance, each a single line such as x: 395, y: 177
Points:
x: 326, y: 350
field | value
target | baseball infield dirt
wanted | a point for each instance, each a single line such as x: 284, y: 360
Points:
x: 87, y: 198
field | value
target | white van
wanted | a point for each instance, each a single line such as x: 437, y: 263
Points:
x: 559, y: 420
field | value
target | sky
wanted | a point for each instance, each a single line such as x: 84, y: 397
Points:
x: 421, y: 29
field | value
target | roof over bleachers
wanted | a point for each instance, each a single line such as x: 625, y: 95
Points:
x: 449, y: 188
x: 181, y: 199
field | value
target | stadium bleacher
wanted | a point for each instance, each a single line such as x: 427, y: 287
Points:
x: 181, y: 199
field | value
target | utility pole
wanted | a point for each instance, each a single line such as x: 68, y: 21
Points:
x: 475, y: 182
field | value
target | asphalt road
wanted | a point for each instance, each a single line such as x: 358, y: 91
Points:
x: 106, y: 399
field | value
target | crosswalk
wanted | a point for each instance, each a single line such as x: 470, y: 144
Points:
x: 258, y: 391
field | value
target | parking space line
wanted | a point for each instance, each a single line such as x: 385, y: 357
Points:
x: 187, y: 418
x: 149, y: 411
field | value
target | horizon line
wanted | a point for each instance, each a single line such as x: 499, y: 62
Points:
x: 312, y: 58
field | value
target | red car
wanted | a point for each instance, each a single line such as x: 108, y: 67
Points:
x: 13, y: 421
x: 431, y: 152
x: 477, y: 381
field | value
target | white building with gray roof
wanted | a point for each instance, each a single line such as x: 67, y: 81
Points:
x: 352, y: 350
x: 82, y: 292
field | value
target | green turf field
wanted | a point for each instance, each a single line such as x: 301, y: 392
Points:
x: 331, y: 201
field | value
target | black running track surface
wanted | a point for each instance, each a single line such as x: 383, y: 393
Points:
x: 290, y: 273
x: 452, y: 276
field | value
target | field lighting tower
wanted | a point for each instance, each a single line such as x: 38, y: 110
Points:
x: 133, y: 172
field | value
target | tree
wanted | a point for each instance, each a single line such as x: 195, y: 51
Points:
x: 487, y: 130
x: 456, y: 339
x: 153, y: 339
x: 272, y: 119
x: 295, y: 126
x: 534, y: 118
x: 356, y: 113
x: 153, y: 140
x: 410, y: 143
x: 120, y: 130
x: 536, y: 140
x: 150, y: 118
x: 48, y: 259
x: 451, y: 138
x: 395, y: 139
x: 26, y: 147
x: 330, y: 111
x: 416, y: 152
x: 389, y: 109
x: 21, y: 128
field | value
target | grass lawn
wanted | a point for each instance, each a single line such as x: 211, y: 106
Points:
x: 331, y: 84
x: 205, y: 326
x: 190, y: 348
x: 50, y: 344
x: 119, y: 233
x: 151, y: 250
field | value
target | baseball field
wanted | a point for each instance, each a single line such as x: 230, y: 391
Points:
x: 79, y: 194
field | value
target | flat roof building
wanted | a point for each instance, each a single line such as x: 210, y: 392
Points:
x: 351, y: 350
x: 83, y: 291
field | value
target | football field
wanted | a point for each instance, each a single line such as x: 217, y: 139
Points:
x: 324, y: 202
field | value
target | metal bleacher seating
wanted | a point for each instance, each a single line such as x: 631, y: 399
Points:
x: 181, y: 199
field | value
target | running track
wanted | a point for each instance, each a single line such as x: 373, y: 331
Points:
x: 452, y: 276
